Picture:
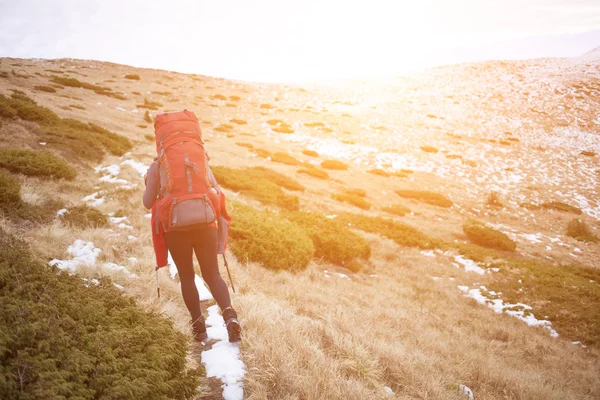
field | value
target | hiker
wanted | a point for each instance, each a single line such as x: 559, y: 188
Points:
x: 186, y: 203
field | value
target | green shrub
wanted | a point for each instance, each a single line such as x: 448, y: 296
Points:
x: 579, y: 230
x: 245, y: 144
x: 147, y: 117
x: 432, y: 198
x: 269, y: 239
x: 314, y: 172
x: 10, y: 191
x: 218, y: 97
x: 588, y: 153
x: 143, y: 126
x: 566, y: 295
x: 378, y: 171
x: 333, y: 241
x: 402, y: 234
x: 224, y: 128
x: 557, y: 205
x: 256, y: 184
x: 485, y: 236
x: 396, y: 209
x: 315, y: 125
x: 429, y: 149
x: 277, y: 178
x: 133, y: 77
x: 310, y: 153
x: 149, y: 137
x: 266, y: 106
x: 44, y: 88
x: 475, y: 252
x: 261, y: 152
x: 352, y: 199
x: 63, y: 339
x: 72, y: 82
x: 150, y: 105
x: 334, y: 164
x: 77, y: 106
x: 356, y: 192
x: 285, y: 158
x: 87, y: 141
x: 35, y: 163
x: 239, y: 121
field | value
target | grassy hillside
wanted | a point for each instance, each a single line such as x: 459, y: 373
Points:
x: 422, y: 233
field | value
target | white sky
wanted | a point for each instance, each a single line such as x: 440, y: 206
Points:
x: 278, y: 40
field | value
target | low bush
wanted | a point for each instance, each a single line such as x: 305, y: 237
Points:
x: 239, y: 121
x: 588, y: 153
x: 277, y: 178
x: 143, y: 126
x: 285, y: 158
x: 147, y: 117
x: 378, y: 171
x: 429, y: 149
x: 557, y: 205
x: 269, y: 239
x: 64, y: 339
x: 396, y: 209
x: 149, y: 137
x: 475, y: 252
x: 566, y: 295
x: 402, y: 234
x: 256, y: 184
x: 315, y: 125
x: 333, y: 241
x: 85, y: 216
x: 44, y: 88
x: 356, y: 192
x: 352, y: 199
x: 86, y: 141
x: 310, y: 153
x: 579, y: 230
x: 35, y: 163
x: 72, y: 82
x: 334, y: 164
x: 485, y: 236
x: 235, y: 98
x: 135, y: 77
x: 10, y: 191
x: 432, y: 198
x: 150, y: 105
x: 77, y: 106
x: 261, y: 152
x: 314, y: 172
x: 224, y: 128
x: 266, y: 106
x: 245, y: 144
x: 218, y: 97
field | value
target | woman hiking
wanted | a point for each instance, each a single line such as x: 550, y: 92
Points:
x: 186, y: 203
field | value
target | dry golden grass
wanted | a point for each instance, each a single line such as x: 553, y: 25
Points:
x: 307, y: 336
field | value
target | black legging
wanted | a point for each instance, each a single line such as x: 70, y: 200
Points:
x: 204, y: 243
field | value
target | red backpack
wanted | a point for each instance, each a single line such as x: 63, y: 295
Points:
x: 188, y: 198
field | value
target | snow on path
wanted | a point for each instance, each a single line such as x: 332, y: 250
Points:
x: 222, y: 361
x: 85, y: 254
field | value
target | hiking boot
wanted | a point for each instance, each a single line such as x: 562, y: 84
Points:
x: 233, y: 325
x: 199, y: 329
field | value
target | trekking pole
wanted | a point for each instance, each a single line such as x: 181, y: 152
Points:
x: 228, y: 273
x: 157, y: 284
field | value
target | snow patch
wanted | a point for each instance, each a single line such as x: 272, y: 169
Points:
x: 469, y: 265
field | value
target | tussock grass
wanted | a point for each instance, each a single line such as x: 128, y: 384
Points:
x: 334, y: 164
x: 269, y: 239
x: 432, y: 198
x: 108, y: 357
x: 353, y: 199
x: 314, y: 172
x: 579, y: 230
x: 485, y: 236
x: 35, y: 163
x: 84, y: 216
x: 560, y: 206
x: 310, y: 153
x: 402, y: 234
x: 85, y: 141
x: 396, y: 209
x: 134, y: 77
x: 44, y: 88
x: 333, y: 241
x: 285, y: 158
x: 258, y: 184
